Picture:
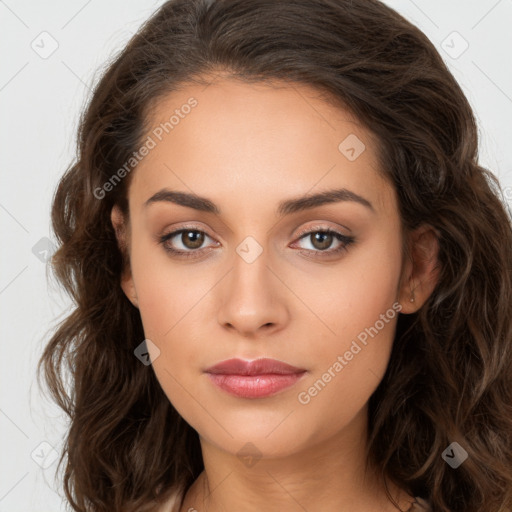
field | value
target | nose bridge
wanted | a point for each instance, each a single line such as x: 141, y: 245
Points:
x: 252, y: 298
x: 250, y: 283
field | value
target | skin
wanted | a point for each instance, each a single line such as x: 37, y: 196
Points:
x: 247, y: 147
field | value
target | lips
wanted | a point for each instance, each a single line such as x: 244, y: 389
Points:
x: 254, y: 379
x: 262, y: 366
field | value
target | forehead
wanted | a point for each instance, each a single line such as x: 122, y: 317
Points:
x: 273, y: 140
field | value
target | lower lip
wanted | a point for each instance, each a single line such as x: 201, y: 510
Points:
x: 254, y: 386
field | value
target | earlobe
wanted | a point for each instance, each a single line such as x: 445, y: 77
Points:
x: 421, y: 271
x: 119, y: 224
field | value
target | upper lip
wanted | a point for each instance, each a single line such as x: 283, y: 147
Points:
x: 256, y: 367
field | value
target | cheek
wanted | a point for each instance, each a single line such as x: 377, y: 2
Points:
x: 359, y: 307
x: 170, y: 310
x: 171, y: 301
x: 167, y: 292
x: 351, y: 296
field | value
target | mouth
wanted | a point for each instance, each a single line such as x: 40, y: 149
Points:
x: 254, y: 379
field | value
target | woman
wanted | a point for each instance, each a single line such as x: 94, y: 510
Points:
x: 292, y: 278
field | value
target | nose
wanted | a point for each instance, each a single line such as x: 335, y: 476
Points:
x: 254, y: 299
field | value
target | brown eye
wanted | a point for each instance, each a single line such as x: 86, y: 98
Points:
x: 322, y: 240
x: 186, y: 242
x: 192, y: 239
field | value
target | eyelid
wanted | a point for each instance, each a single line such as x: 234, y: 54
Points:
x: 320, y: 227
x: 176, y: 231
x: 345, y: 242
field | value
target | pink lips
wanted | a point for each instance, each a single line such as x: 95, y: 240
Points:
x: 254, y: 379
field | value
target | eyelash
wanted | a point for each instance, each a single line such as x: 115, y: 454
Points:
x: 346, y: 242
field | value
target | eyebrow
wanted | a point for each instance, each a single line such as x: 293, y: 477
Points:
x: 287, y: 207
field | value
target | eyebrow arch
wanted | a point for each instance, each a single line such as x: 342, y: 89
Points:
x: 287, y: 207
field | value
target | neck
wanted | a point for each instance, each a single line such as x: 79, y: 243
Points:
x: 329, y: 475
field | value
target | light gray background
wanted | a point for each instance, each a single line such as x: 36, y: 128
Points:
x: 40, y: 100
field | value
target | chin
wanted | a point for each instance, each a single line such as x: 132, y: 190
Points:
x: 256, y: 436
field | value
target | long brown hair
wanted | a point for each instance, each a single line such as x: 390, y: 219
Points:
x: 449, y: 378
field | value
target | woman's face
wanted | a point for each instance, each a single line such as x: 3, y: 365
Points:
x: 255, y: 276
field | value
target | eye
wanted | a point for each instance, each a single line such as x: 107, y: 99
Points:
x: 323, y: 238
x: 190, y: 239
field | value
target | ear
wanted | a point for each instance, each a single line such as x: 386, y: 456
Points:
x: 121, y: 228
x: 420, y: 271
